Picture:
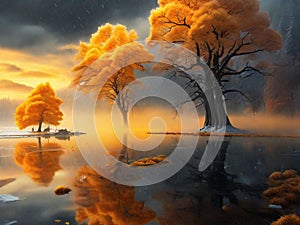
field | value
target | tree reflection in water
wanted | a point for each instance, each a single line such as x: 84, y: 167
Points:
x: 101, y: 201
x: 220, y: 182
x: 211, y: 197
x: 39, y: 161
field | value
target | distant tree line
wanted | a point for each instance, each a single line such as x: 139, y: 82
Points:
x: 7, y: 110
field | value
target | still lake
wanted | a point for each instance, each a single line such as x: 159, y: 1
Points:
x: 228, y: 192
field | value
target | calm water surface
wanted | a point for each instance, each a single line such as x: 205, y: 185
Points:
x: 228, y: 192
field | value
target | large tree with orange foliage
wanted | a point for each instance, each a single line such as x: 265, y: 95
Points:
x: 41, y: 106
x: 107, y: 64
x: 218, y: 31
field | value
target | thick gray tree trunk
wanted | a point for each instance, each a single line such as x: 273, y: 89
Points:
x: 209, y: 117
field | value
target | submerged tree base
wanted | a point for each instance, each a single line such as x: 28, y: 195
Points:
x: 229, y: 129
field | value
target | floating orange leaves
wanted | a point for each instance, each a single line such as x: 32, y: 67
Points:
x: 149, y: 161
x: 61, y: 190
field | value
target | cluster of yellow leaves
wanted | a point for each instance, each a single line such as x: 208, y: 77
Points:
x: 109, y: 60
x: 107, y: 38
x: 41, y: 106
x: 40, y: 163
x: 104, y: 202
x: 213, y: 24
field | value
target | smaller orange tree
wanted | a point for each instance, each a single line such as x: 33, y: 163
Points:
x: 41, y: 106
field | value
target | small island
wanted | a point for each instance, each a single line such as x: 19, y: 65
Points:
x: 40, y: 107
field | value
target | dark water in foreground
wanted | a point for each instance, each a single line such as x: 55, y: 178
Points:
x: 229, y: 192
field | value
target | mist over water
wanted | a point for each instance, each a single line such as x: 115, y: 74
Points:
x: 268, y: 124
x: 249, y: 160
x: 165, y: 119
x: 141, y: 122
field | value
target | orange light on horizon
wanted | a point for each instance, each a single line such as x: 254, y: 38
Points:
x: 25, y: 70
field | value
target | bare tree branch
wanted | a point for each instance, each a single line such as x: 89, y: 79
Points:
x: 237, y: 91
x: 246, y: 69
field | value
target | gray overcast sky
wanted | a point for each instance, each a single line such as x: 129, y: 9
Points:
x: 39, y: 25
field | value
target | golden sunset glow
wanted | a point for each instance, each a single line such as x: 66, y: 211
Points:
x: 21, y: 71
x: 183, y: 112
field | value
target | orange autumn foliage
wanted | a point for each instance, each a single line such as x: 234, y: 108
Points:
x: 213, y: 23
x: 284, y: 189
x: 287, y: 220
x: 40, y: 163
x: 41, y: 106
x: 216, y: 30
x: 104, y: 202
x: 109, y: 60
x: 107, y: 65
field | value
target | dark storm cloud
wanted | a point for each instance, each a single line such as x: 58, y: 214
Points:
x: 18, y: 35
x: 27, y: 23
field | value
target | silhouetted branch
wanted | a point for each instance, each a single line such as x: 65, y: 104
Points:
x: 237, y: 91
